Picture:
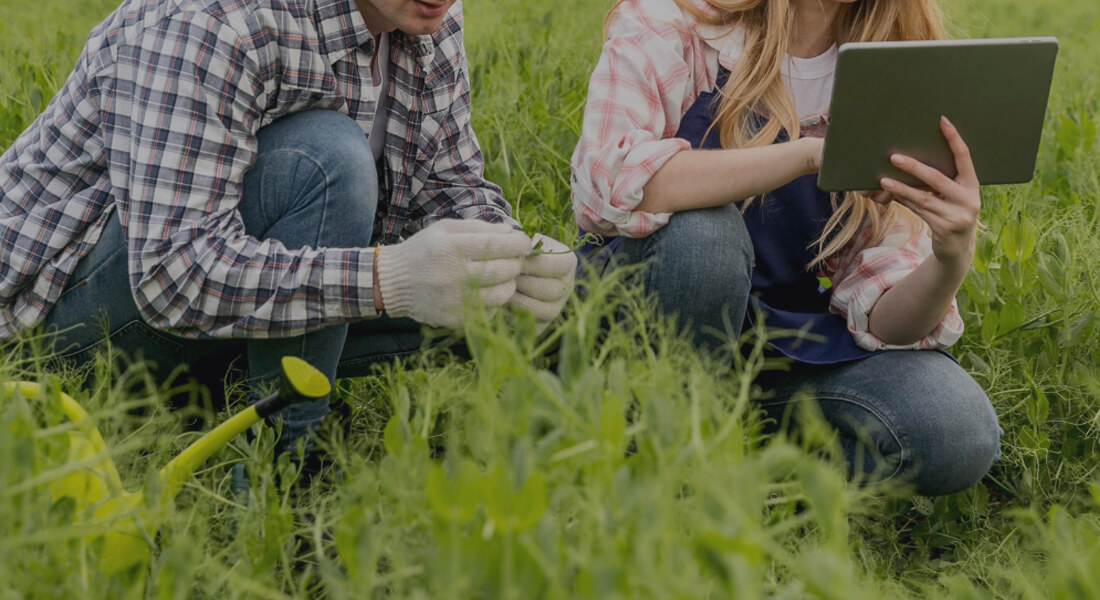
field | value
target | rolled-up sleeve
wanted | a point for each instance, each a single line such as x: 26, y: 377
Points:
x: 636, y: 97
x: 866, y: 272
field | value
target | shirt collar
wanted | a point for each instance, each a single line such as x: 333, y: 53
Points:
x: 341, y: 29
x: 728, y: 41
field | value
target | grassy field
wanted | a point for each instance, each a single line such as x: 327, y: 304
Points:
x: 507, y: 477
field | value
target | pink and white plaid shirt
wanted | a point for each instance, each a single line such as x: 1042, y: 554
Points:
x: 655, y: 63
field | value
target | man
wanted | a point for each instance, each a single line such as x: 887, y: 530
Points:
x: 220, y: 178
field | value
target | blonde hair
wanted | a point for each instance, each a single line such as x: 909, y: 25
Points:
x: 755, y: 86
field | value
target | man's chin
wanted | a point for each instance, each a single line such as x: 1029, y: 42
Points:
x: 422, y: 28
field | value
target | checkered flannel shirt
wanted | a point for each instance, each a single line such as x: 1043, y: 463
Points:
x: 158, y: 123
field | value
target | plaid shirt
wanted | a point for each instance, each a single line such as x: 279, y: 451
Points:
x: 656, y: 61
x: 158, y: 122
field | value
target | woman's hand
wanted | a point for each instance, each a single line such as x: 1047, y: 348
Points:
x: 949, y: 206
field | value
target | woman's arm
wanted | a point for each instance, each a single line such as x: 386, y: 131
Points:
x: 913, y: 307
x: 650, y: 68
x: 694, y: 179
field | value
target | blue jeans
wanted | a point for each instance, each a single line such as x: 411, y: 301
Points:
x: 909, y: 416
x: 314, y: 184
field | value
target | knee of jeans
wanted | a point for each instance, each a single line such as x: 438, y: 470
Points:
x: 712, y: 243
x: 330, y: 150
x: 954, y: 453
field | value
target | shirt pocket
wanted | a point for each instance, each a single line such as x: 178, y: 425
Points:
x: 434, y: 104
x: 430, y: 140
x: 438, y: 92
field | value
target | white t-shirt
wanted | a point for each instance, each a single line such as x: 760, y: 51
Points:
x: 809, y: 81
x: 380, y: 82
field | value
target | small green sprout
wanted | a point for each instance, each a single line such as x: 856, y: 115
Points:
x: 588, y: 238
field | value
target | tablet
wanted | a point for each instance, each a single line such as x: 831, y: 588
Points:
x: 888, y: 97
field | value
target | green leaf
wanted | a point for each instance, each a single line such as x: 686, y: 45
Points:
x: 571, y: 358
x: 825, y: 492
x: 1094, y: 491
x: 1068, y: 137
x: 989, y: 326
x: 395, y: 436
x: 512, y: 510
x: 1030, y: 438
x: 532, y: 502
x: 983, y: 254
x: 975, y: 501
x: 1038, y: 410
x: 612, y: 420
x: 454, y: 498
x: 1011, y: 317
x: 974, y: 363
x: 1018, y: 239
x: 1088, y: 132
x: 1078, y: 330
x: 1052, y: 278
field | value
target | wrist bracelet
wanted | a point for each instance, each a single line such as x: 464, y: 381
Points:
x: 375, y: 288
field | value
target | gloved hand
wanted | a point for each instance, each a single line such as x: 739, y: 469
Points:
x: 545, y: 281
x: 425, y: 276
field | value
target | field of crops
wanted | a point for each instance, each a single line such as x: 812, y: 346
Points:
x: 621, y: 466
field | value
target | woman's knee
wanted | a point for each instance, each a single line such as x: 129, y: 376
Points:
x: 704, y: 251
x: 719, y: 233
x: 699, y: 266
x: 955, y: 443
x: 913, y: 417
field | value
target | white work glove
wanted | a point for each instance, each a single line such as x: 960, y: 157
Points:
x: 424, y: 277
x: 545, y: 281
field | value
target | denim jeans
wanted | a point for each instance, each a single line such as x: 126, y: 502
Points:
x: 699, y: 266
x: 909, y: 416
x: 314, y: 184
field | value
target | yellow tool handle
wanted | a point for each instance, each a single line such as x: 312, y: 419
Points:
x: 300, y: 383
x: 179, y: 470
x: 76, y: 413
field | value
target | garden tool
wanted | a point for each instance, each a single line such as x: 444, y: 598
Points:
x: 128, y: 521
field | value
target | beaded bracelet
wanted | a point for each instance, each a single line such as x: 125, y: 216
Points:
x: 378, y: 307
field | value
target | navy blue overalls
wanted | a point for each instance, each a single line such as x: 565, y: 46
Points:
x: 782, y: 225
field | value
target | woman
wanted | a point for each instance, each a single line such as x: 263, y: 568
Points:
x: 698, y: 156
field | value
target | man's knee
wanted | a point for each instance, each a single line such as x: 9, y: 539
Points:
x: 313, y: 167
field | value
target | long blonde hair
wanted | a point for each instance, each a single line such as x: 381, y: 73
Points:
x: 755, y: 86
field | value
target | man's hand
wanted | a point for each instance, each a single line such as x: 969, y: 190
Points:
x: 424, y: 277
x: 545, y: 280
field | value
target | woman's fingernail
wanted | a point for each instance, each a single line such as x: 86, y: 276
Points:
x: 887, y: 183
x: 897, y: 159
x: 945, y: 120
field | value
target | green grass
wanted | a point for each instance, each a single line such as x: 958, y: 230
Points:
x: 506, y: 477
